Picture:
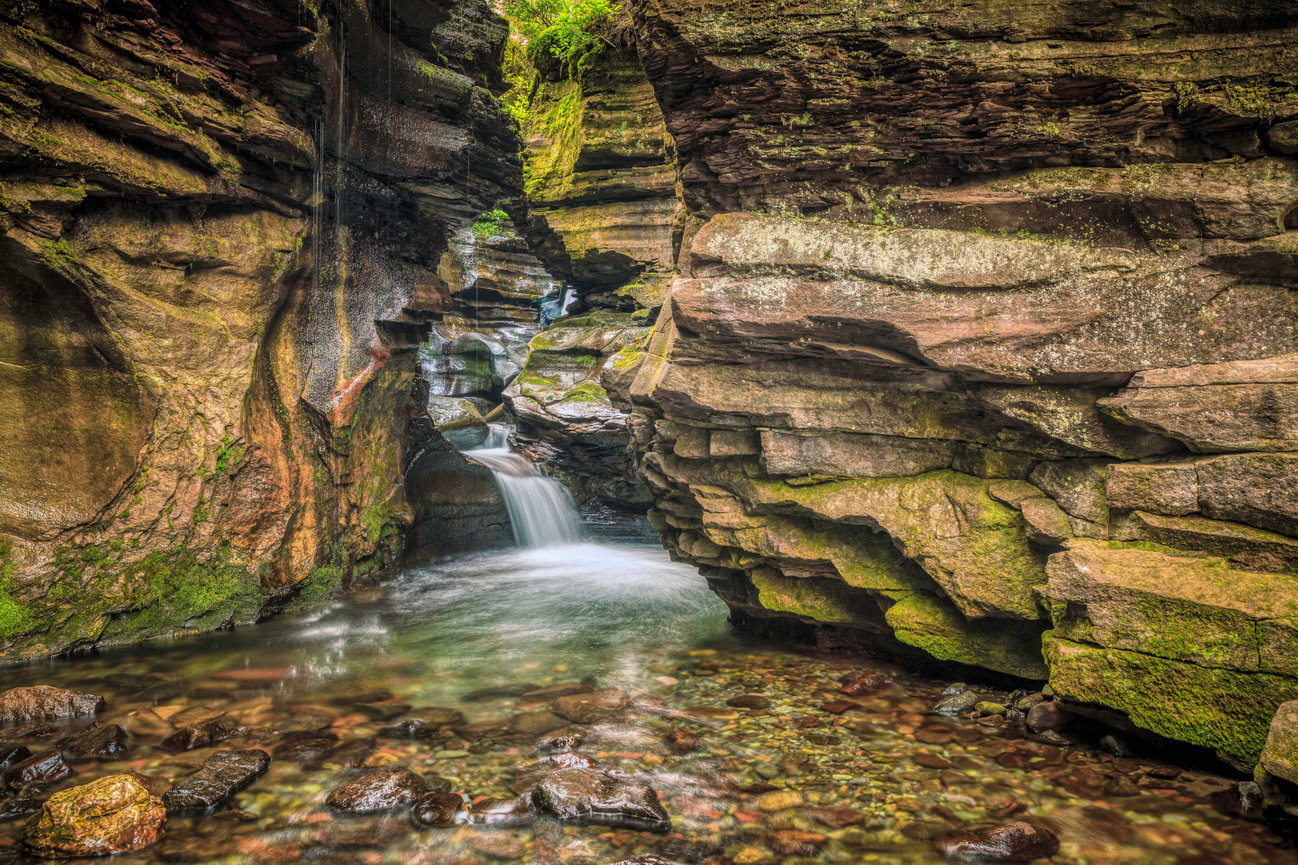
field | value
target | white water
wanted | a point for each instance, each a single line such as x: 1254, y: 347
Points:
x: 540, y: 509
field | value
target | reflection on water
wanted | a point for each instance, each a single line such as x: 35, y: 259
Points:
x: 758, y: 755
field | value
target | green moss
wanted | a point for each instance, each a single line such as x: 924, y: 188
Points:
x: 587, y: 391
x: 15, y: 618
x: 934, y: 625
x: 491, y: 225
x: 812, y: 598
x: 322, y: 584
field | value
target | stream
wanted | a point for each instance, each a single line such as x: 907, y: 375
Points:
x: 755, y: 751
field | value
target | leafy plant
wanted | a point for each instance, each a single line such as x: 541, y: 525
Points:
x: 491, y: 224
x: 561, y: 31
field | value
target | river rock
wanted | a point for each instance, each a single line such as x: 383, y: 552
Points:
x: 101, y: 740
x: 1047, y: 716
x: 438, y: 809
x: 1280, y: 753
x: 1013, y: 842
x: 221, y: 776
x: 861, y: 683
x: 504, y: 813
x: 955, y: 704
x: 592, y: 708
x: 587, y: 796
x: 113, y: 814
x: 45, y: 767
x: 380, y: 790
x: 11, y: 753
x: 195, y: 736
x: 44, y: 701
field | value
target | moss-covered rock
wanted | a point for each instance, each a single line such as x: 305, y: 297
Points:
x: 113, y: 814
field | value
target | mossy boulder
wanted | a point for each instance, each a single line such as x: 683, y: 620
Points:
x: 111, y: 815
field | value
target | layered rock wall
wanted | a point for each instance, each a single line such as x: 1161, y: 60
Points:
x: 982, y: 347
x: 604, y: 216
x: 220, y: 221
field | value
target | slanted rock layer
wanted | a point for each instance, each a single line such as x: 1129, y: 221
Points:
x: 981, y: 347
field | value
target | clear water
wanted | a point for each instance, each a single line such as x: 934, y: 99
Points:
x: 477, y: 633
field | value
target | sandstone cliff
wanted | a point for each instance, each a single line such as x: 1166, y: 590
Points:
x: 983, y: 341
x: 221, y: 224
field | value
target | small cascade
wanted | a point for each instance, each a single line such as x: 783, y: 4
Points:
x: 540, y: 509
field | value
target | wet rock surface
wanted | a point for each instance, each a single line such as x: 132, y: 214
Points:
x: 438, y: 809
x: 1013, y: 842
x: 221, y: 776
x: 114, y: 814
x: 43, y: 767
x: 44, y: 701
x: 591, y: 796
x: 380, y: 790
x: 101, y: 740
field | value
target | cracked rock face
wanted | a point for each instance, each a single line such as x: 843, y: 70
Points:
x: 954, y: 360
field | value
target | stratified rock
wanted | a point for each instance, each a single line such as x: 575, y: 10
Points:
x: 438, y: 809
x: 44, y: 701
x: 45, y: 767
x: 101, y: 740
x: 221, y: 776
x: 1013, y: 842
x: 380, y: 790
x: 587, y: 796
x: 114, y: 814
x: 592, y: 708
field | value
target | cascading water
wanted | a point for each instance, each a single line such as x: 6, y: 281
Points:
x: 540, y: 509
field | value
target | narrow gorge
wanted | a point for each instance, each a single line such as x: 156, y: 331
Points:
x: 687, y: 431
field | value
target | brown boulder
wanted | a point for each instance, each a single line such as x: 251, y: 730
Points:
x: 44, y: 701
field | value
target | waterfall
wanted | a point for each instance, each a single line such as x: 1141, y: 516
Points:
x: 540, y: 509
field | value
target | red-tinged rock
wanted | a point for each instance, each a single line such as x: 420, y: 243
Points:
x: 861, y: 683
x: 795, y: 842
x: 44, y: 701
x: 114, y: 814
x: 837, y: 707
x: 836, y: 816
x: 46, y: 767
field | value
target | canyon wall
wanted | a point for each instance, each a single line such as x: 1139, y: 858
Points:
x: 983, y: 343
x: 602, y: 213
x: 221, y: 225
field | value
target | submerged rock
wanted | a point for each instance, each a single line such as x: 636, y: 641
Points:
x: 587, y: 796
x: 438, y: 809
x: 11, y: 753
x: 221, y: 776
x: 45, y: 767
x: 1013, y: 842
x: 1047, y: 716
x: 504, y: 813
x: 195, y: 736
x: 44, y: 701
x: 114, y: 814
x: 101, y: 740
x: 380, y: 790
x: 592, y: 708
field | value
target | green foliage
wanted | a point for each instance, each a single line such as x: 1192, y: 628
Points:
x: 560, y: 30
x: 491, y: 224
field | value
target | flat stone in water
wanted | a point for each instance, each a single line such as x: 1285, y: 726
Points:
x: 380, y: 790
x: 438, y: 809
x: 592, y: 708
x: 221, y: 776
x: 1013, y: 842
x: 101, y: 740
x: 11, y: 753
x: 586, y: 796
x: 195, y: 736
x: 749, y: 701
x: 43, y: 701
x: 305, y: 746
x: 46, y: 767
